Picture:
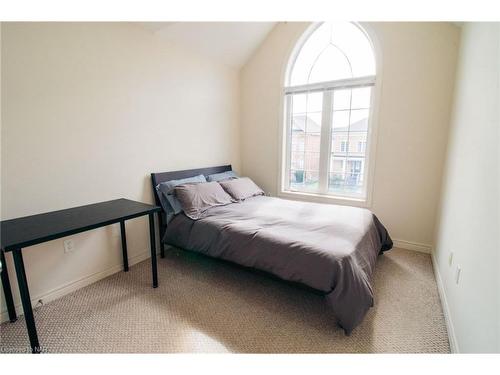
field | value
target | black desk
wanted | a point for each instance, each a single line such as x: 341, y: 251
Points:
x: 31, y: 230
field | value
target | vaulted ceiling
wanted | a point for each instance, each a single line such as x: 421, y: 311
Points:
x: 231, y: 43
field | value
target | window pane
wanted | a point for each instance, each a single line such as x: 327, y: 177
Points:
x: 340, y: 121
x: 336, y: 182
x: 313, y: 46
x: 349, y: 142
x: 304, y: 180
x: 359, y: 120
x: 297, y: 136
x: 335, y: 50
x: 330, y: 65
x: 361, y: 98
x: 296, y: 179
x: 305, y: 141
x: 313, y: 123
x: 341, y: 99
x: 299, y: 103
x: 315, y: 102
x: 306, y: 123
x: 311, y: 180
x: 304, y: 171
x: 354, y: 43
x: 337, y: 164
x: 340, y: 144
x: 297, y: 160
x: 311, y: 102
x: 357, y: 143
x: 311, y: 161
x: 356, y: 98
x: 348, y: 183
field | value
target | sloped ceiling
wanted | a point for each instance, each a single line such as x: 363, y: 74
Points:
x: 231, y: 43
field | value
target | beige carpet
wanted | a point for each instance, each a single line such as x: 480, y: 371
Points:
x: 204, y: 305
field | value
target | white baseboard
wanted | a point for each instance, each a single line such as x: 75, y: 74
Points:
x: 446, y: 309
x: 77, y: 284
x: 414, y: 246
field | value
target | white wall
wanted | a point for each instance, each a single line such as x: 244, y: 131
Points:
x: 418, y: 71
x: 88, y: 111
x: 469, y: 216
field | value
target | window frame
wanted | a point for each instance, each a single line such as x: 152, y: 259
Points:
x: 284, y: 156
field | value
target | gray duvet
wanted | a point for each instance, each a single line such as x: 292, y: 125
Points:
x: 330, y: 248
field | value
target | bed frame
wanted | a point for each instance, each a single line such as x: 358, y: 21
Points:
x: 157, y: 178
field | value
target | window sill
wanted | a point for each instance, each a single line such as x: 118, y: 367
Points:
x: 321, y: 198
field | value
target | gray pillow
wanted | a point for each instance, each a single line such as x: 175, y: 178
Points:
x: 229, y: 175
x: 241, y: 188
x: 166, y: 194
x: 196, y: 199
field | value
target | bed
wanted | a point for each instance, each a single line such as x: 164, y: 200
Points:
x: 329, y: 249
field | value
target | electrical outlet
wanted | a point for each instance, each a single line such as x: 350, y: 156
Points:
x: 69, y: 246
x: 450, y: 258
x: 457, y: 274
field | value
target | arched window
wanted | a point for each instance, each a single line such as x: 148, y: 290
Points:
x: 328, y: 99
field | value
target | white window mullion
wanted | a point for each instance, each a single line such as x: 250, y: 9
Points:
x: 325, y: 142
x: 288, y: 140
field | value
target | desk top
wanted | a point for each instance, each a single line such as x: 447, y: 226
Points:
x: 31, y: 230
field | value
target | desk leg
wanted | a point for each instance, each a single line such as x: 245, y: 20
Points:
x: 162, y: 245
x: 7, y: 291
x: 26, y: 300
x: 153, y: 249
x: 124, y: 246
